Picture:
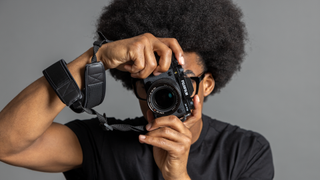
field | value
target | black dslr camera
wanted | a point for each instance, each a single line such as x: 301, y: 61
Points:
x: 170, y: 92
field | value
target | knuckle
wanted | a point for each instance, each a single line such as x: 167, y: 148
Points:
x: 181, y: 149
x: 166, y: 130
x: 140, y: 63
x: 149, y: 138
x: 168, y: 52
x: 153, y: 64
x: 173, y: 41
x: 147, y: 34
x: 145, y: 37
x: 187, y: 141
x: 136, y: 46
x: 161, y: 141
x: 172, y: 118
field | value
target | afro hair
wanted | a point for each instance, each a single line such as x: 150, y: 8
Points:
x: 211, y: 28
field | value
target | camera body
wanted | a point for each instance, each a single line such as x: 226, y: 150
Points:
x: 170, y: 93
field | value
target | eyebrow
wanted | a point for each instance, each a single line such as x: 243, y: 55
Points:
x: 189, y: 72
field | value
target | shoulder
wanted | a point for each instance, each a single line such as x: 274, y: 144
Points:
x: 235, y: 134
x: 98, y: 145
x: 248, y: 152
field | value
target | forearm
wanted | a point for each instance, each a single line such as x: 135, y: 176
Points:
x: 33, y: 110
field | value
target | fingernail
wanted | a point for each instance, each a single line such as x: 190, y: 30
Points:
x: 148, y: 126
x: 142, y: 137
x: 197, y: 98
x: 181, y: 60
x: 156, y: 73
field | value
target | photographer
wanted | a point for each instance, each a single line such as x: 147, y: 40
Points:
x: 207, y: 38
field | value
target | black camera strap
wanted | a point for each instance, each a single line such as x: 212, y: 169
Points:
x: 62, y: 82
x: 116, y: 124
x: 94, y: 82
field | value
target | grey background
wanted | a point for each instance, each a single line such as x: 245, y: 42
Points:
x: 276, y: 93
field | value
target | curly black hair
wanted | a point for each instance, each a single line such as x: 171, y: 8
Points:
x: 211, y: 28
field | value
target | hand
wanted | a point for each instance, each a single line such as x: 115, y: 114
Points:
x: 171, y: 140
x: 136, y: 55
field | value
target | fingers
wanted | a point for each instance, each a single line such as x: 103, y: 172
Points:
x: 141, y: 61
x: 173, y: 44
x: 196, y: 113
x: 167, y: 133
x: 136, y: 55
x: 173, y: 144
x: 137, y: 63
x: 145, y: 61
x: 162, y: 50
x: 165, y: 54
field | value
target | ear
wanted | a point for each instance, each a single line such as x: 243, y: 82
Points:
x: 208, y: 84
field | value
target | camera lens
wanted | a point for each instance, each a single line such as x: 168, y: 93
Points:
x: 164, y: 98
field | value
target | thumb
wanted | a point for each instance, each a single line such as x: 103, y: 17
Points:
x: 196, y: 113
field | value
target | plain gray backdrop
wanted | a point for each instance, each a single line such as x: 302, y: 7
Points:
x: 275, y: 94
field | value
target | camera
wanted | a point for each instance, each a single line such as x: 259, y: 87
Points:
x: 169, y: 93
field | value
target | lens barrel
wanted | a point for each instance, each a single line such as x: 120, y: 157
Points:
x: 163, y: 96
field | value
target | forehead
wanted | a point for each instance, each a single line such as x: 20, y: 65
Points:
x: 192, y: 64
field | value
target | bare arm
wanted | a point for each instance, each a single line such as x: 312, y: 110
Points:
x: 28, y: 136
x: 26, y: 123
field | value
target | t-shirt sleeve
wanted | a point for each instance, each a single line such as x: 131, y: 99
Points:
x: 89, y: 135
x: 259, y: 164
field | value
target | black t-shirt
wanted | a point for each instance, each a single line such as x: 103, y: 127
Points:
x: 222, y: 152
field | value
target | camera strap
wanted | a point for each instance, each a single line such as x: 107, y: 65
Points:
x: 62, y: 82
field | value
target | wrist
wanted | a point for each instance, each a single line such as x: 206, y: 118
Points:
x: 77, y: 67
x: 101, y: 57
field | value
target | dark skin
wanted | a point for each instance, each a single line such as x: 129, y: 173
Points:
x: 30, y: 139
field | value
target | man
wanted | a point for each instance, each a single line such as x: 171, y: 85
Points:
x: 207, y: 39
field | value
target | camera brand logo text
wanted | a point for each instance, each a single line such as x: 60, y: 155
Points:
x: 184, y: 87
